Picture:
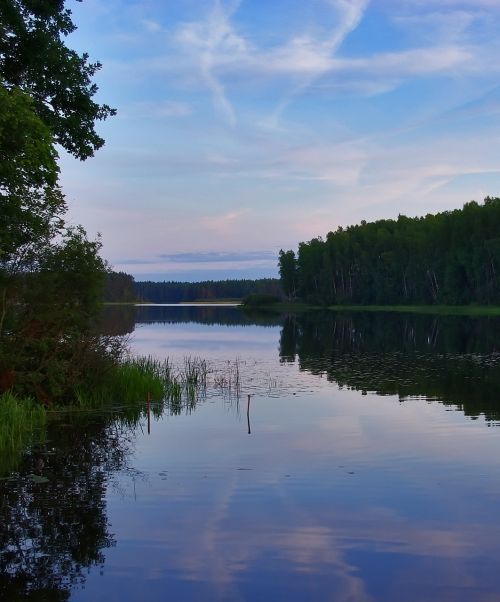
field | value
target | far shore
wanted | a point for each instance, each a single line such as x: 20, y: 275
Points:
x: 295, y: 307
x: 231, y: 302
x: 459, y: 310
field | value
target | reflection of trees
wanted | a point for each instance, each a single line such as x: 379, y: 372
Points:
x: 121, y: 319
x: 451, y: 358
x: 117, y: 320
x: 52, y: 532
x: 210, y: 315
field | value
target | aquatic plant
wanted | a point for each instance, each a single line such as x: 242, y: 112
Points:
x: 228, y: 379
x: 21, y: 421
x: 129, y: 382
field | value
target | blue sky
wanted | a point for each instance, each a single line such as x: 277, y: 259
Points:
x: 247, y: 126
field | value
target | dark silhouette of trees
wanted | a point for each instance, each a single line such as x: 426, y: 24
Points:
x: 287, y: 263
x: 119, y: 286
x: 175, y: 292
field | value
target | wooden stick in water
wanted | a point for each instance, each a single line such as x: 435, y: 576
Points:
x: 248, y: 415
x: 149, y: 413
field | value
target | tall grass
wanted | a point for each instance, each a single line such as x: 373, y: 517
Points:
x: 21, y: 421
x: 135, y: 380
x: 129, y: 382
x: 122, y: 392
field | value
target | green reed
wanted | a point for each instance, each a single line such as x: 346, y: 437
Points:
x: 21, y: 422
x: 128, y: 383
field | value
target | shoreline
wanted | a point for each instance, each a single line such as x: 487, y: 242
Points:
x: 457, y: 310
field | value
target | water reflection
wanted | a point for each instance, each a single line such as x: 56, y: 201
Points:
x: 54, y: 525
x: 335, y: 495
x: 122, y: 319
x: 453, y: 359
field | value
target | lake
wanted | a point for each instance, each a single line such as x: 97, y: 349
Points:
x: 364, y: 466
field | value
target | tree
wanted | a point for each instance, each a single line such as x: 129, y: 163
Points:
x: 51, y: 276
x: 288, y: 272
x: 451, y: 257
x: 35, y: 59
x: 31, y: 202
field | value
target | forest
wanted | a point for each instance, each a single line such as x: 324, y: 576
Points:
x: 175, y: 292
x: 450, y: 258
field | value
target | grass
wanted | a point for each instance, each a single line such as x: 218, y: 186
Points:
x: 128, y: 383
x: 455, y: 310
x: 122, y: 392
x: 131, y: 382
x: 449, y: 310
x: 21, y: 420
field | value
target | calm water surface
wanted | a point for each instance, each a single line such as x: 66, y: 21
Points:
x: 367, y: 469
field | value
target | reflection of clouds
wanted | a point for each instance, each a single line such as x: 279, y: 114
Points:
x: 371, y: 480
x: 210, y: 545
x: 322, y: 529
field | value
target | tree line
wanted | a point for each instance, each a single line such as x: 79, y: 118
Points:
x: 451, y: 257
x: 176, y: 292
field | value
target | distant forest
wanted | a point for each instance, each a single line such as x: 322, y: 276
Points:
x: 122, y: 287
x: 448, y: 258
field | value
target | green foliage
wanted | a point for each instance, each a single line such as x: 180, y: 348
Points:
x: 288, y: 273
x: 49, y: 345
x: 31, y: 203
x: 51, y: 275
x: 447, y: 258
x: 35, y: 59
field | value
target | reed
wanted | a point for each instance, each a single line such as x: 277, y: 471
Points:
x: 228, y: 379
x: 128, y: 383
x: 21, y: 422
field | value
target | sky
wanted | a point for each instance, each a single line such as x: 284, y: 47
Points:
x: 247, y: 126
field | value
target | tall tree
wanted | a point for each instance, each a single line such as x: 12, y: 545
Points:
x: 288, y: 272
x: 51, y: 276
x: 451, y: 257
x: 35, y: 59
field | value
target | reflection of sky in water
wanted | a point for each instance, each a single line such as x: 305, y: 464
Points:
x: 335, y: 495
x: 179, y: 340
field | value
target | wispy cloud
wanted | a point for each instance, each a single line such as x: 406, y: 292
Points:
x: 327, y: 113
x: 315, y: 55
x: 199, y: 265
x: 209, y: 40
x: 220, y: 49
x: 218, y: 256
